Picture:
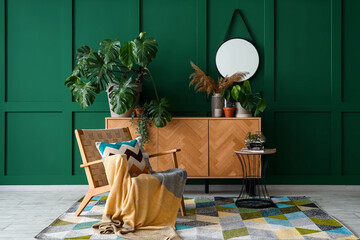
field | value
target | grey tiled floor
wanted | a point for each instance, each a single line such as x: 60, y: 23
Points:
x: 23, y: 214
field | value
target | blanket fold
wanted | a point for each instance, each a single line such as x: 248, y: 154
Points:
x: 143, y: 207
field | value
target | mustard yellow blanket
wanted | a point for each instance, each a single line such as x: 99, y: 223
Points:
x: 138, y: 208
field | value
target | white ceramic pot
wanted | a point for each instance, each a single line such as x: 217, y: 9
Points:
x: 241, y: 112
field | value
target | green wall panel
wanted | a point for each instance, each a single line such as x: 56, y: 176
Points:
x: 351, y: 50
x: 303, y: 51
x: 117, y: 19
x: 350, y: 144
x: 36, y: 60
x: 34, y: 144
x: 177, y: 47
x: 303, y: 143
x: 85, y: 120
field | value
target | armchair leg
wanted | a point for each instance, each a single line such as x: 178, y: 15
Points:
x: 84, y: 202
x: 182, y: 207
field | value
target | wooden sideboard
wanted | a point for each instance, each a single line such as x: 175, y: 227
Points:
x: 207, y: 144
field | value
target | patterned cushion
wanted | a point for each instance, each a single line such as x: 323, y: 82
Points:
x: 136, y: 162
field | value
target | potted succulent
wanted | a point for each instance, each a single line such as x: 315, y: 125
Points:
x: 205, y: 83
x: 246, y: 100
x: 255, y: 140
x: 120, y: 70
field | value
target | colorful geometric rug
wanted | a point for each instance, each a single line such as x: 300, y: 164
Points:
x: 218, y: 218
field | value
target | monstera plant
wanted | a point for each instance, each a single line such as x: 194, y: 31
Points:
x: 119, y: 69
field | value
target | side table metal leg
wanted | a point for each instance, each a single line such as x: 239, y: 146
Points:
x: 206, y: 185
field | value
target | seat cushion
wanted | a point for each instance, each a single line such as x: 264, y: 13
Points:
x: 136, y: 161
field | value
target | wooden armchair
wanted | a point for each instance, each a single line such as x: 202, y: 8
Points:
x: 94, y: 168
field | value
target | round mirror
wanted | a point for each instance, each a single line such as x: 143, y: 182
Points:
x: 237, y: 55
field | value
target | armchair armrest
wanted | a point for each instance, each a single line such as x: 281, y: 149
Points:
x: 91, y: 163
x: 172, y: 151
x: 164, y: 153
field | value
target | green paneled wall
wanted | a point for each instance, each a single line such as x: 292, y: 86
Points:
x: 309, y: 56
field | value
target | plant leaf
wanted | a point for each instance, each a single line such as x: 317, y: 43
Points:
x: 261, y: 105
x: 100, y: 71
x: 235, y: 92
x: 159, y: 113
x: 146, y: 49
x: 127, y: 54
x: 122, y: 96
x: 82, y: 56
x: 225, y: 94
x: 84, y: 93
x: 247, y: 87
x: 109, y: 50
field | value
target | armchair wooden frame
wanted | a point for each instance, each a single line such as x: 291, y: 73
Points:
x: 94, y: 168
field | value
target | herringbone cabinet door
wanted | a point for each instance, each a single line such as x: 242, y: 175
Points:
x: 225, y: 137
x: 191, y: 136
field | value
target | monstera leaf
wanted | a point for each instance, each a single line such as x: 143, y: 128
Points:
x: 128, y: 54
x: 159, y: 113
x: 146, y: 49
x: 109, y: 50
x: 122, y: 95
x: 100, y: 72
x: 84, y: 93
x: 83, y: 54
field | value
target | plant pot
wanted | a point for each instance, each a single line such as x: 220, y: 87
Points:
x: 241, y: 112
x: 139, y: 111
x: 229, y: 111
x: 136, y: 102
x: 217, y: 103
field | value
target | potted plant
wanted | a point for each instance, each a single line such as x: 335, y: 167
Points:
x: 255, y: 140
x: 141, y: 117
x: 205, y: 83
x: 246, y: 99
x: 120, y: 70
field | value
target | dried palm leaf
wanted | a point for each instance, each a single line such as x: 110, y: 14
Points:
x: 201, y: 81
x: 226, y: 82
x: 204, y: 83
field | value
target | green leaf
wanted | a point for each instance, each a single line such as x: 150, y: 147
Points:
x: 225, y: 94
x: 247, y: 87
x: 109, y: 50
x: 101, y: 72
x: 159, y: 113
x: 122, y: 96
x: 146, y: 49
x: 84, y: 93
x: 83, y: 54
x: 247, y: 101
x: 142, y: 34
x: 235, y: 92
x: 127, y: 54
x: 261, y: 105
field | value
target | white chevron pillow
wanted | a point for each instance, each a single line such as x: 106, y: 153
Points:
x: 136, y: 161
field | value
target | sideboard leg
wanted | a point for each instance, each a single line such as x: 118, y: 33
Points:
x: 206, y: 185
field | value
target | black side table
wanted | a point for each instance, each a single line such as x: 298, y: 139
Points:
x: 254, y: 193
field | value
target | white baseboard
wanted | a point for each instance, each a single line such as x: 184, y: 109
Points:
x: 191, y: 188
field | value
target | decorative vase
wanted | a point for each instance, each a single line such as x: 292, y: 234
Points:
x: 241, y: 112
x: 138, y: 90
x: 229, y: 111
x: 255, y: 140
x: 217, y: 104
